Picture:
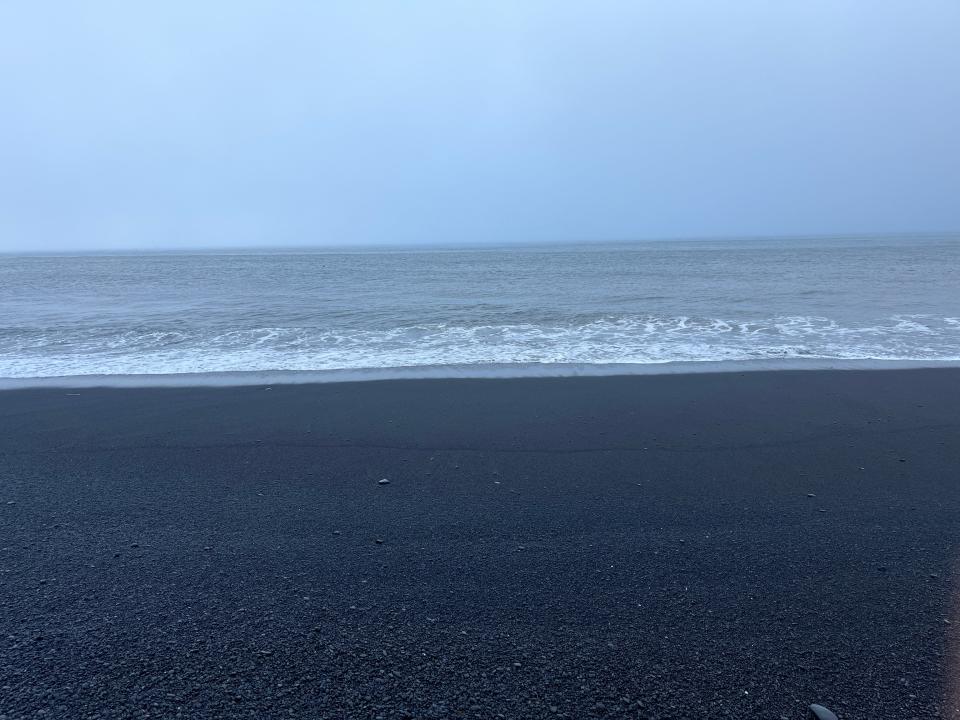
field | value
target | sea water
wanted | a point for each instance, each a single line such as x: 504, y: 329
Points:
x: 558, y: 309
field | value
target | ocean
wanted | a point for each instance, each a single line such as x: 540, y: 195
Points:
x: 571, y: 309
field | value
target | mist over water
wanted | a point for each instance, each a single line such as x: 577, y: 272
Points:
x: 637, y: 304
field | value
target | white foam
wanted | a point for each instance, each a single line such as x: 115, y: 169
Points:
x: 622, y: 341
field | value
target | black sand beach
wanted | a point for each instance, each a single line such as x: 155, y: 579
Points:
x: 702, y: 546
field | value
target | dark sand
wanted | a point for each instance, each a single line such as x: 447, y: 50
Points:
x: 611, y: 547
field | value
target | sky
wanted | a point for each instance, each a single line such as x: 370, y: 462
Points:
x: 189, y: 124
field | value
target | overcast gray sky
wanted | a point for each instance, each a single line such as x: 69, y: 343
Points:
x: 223, y: 122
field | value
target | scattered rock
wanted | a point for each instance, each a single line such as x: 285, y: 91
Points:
x: 819, y: 712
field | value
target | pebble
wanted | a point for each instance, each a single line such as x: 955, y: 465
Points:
x: 383, y: 482
x: 821, y: 713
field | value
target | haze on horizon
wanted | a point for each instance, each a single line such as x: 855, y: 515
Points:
x: 225, y: 124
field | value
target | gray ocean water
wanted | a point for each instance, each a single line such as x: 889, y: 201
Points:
x: 637, y: 305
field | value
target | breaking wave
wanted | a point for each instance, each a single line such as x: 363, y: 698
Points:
x: 626, y: 340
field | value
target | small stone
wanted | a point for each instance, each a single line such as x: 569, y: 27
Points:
x: 11, y: 502
x: 821, y: 510
x: 384, y: 481
x: 903, y: 459
x: 517, y: 665
x: 810, y: 495
x: 378, y: 541
x: 207, y: 548
x: 134, y: 545
x: 819, y: 712
x: 934, y: 576
x: 882, y: 568
x: 336, y: 532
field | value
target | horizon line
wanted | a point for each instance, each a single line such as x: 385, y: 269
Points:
x: 441, y: 246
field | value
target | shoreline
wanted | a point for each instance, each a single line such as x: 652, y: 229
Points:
x: 244, y: 378
x: 686, y: 545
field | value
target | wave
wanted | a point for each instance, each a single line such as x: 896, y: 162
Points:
x: 612, y: 341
